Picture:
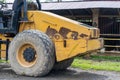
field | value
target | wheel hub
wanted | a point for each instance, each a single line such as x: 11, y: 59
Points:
x: 29, y: 54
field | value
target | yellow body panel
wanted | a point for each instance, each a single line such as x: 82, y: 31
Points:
x: 70, y: 37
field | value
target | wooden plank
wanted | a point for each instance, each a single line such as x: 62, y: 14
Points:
x: 110, y: 34
x: 112, y: 52
x: 111, y: 46
x: 89, y: 16
x: 95, y: 15
x: 116, y: 39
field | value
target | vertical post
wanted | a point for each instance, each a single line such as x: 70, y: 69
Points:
x: 7, y: 46
x: 25, y: 11
x: 95, y: 15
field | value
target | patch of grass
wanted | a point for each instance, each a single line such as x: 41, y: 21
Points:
x: 111, y: 58
x: 96, y: 65
x: 3, y: 61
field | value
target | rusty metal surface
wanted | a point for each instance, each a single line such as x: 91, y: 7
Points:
x: 51, y: 32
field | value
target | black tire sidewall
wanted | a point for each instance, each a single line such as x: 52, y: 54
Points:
x: 62, y: 65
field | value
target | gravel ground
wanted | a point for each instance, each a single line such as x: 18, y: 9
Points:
x: 71, y: 74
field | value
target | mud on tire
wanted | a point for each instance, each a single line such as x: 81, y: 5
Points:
x: 44, y: 56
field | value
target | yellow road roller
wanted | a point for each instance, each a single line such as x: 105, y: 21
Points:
x: 36, y: 41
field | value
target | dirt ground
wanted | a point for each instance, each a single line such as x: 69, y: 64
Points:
x: 71, y: 74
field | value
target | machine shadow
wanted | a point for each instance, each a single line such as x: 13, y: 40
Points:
x: 69, y: 74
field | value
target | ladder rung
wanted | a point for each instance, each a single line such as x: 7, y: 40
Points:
x: 2, y: 50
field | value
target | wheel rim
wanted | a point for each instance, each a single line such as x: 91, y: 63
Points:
x: 27, y: 55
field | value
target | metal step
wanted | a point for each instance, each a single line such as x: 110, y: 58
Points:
x: 6, y: 42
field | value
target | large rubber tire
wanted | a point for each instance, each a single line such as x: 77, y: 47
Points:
x: 44, y: 50
x: 63, y: 64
